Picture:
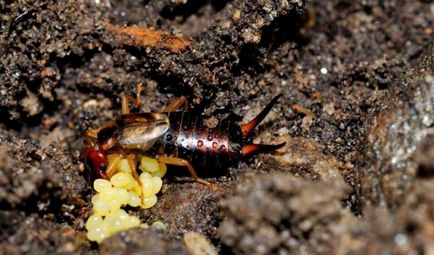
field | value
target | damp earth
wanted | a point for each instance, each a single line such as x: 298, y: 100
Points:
x: 356, y: 113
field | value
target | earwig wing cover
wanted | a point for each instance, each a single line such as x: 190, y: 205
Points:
x: 142, y: 134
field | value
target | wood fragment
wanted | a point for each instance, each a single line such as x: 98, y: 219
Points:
x: 148, y: 37
x: 301, y: 109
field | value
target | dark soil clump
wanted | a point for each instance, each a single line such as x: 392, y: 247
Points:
x: 357, y: 115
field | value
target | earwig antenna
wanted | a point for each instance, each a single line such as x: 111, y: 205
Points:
x: 248, y: 127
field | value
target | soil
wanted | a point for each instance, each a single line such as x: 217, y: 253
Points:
x: 356, y: 175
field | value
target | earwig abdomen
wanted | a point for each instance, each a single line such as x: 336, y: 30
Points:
x: 189, y: 138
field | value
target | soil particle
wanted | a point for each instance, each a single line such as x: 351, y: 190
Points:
x: 196, y: 209
x: 415, y: 218
x: 39, y: 180
x: 308, y: 160
x: 140, y: 241
x: 405, y: 231
x: 405, y: 121
x: 39, y: 39
x: 29, y: 234
x: 281, y: 214
x: 424, y: 157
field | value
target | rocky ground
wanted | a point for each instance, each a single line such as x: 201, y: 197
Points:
x: 357, y: 113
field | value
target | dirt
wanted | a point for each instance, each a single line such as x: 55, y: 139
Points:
x: 359, y: 147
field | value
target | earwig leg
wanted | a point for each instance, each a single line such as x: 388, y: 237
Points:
x: 91, y: 133
x: 176, y: 104
x: 178, y: 162
x: 88, y: 140
x: 132, y: 162
x: 125, y: 99
x: 112, y: 166
x: 182, y: 162
x: 139, y: 90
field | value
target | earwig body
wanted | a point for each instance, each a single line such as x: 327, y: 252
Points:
x: 180, y: 135
x: 189, y: 138
x: 176, y: 138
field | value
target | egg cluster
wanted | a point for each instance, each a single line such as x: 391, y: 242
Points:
x: 123, y: 189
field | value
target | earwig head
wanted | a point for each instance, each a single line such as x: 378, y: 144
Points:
x: 95, y: 161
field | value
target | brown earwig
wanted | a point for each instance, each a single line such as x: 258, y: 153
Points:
x: 173, y: 137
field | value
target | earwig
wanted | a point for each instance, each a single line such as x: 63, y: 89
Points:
x: 173, y: 137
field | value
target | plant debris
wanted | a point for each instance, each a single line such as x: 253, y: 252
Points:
x: 148, y: 37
